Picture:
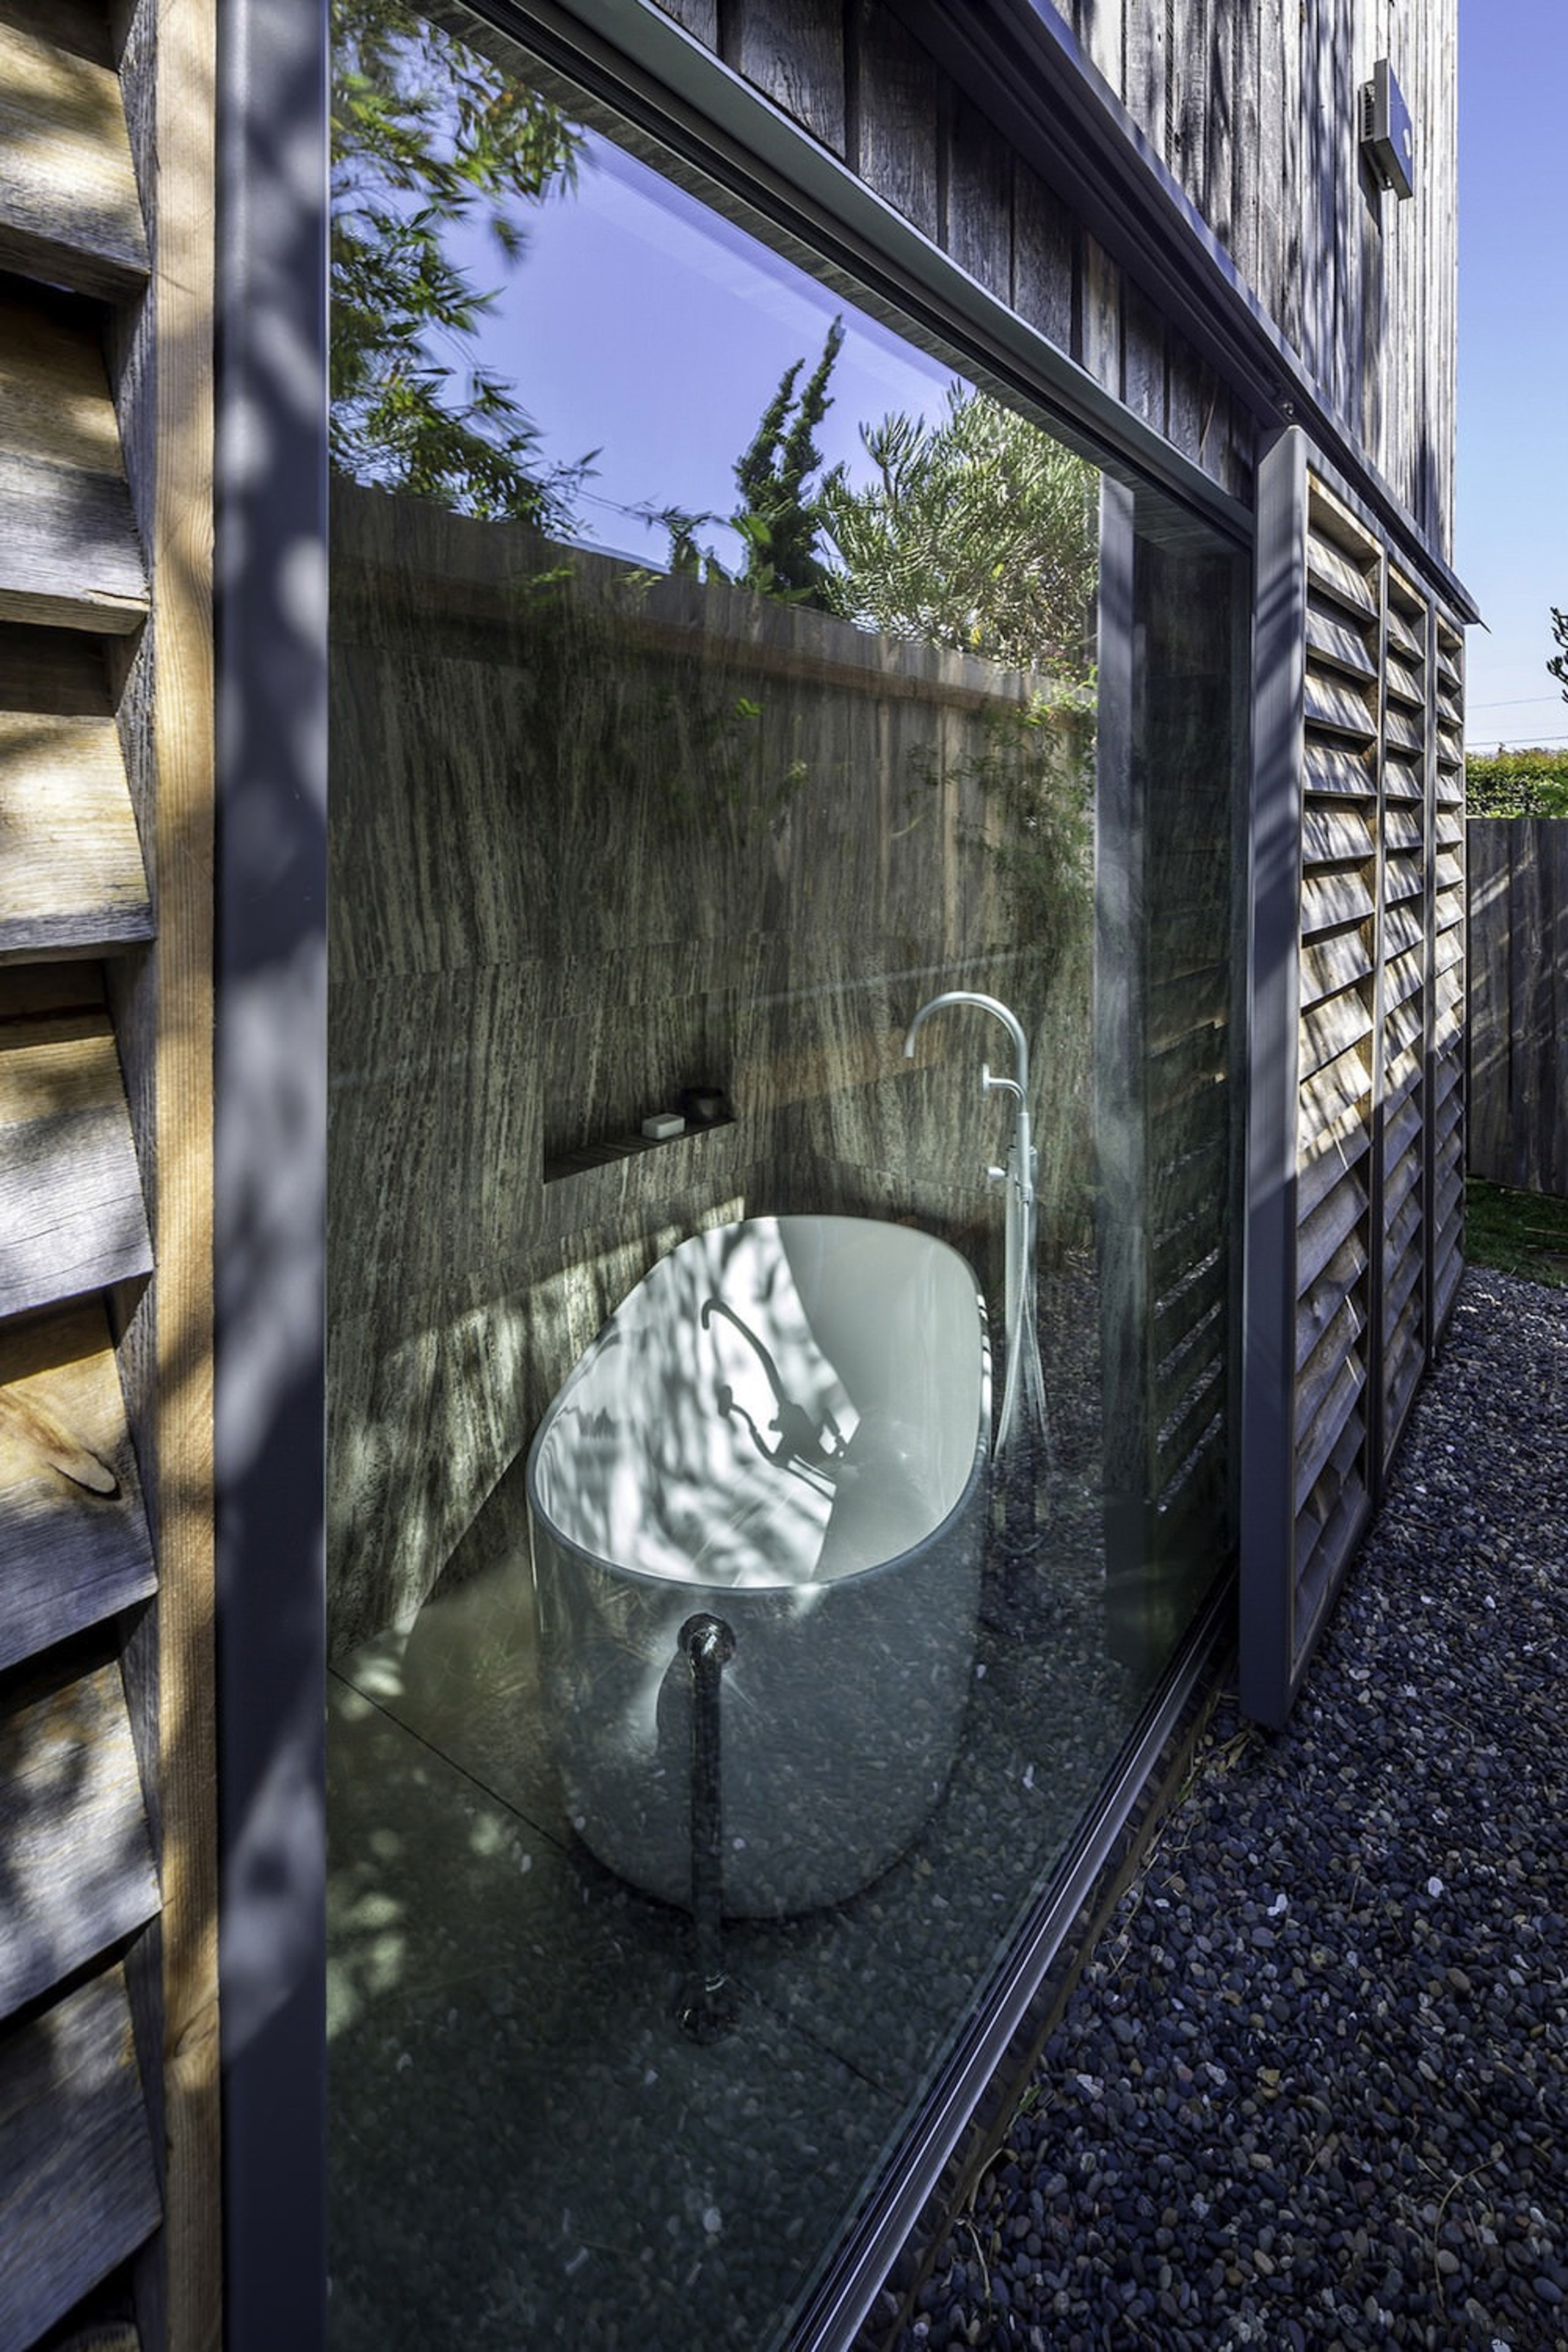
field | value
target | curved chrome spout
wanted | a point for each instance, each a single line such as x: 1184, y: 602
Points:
x: 1004, y: 1014
x: 1024, y: 1375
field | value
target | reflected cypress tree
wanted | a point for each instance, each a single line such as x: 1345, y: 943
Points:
x: 779, y: 519
x: 428, y: 137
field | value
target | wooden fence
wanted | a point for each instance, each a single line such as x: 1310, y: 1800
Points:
x: 1519, y: 1000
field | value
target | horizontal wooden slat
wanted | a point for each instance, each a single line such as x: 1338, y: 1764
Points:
x: 79, y: 2192
x: 76, y: 1859
x: 1335, y: 835
x: 1402, y: 827
x: 1402, y: 1097
x: 1402, y: 779
x: 69, y: 213
x: 1403, y: 1027
x: 1333, y: 575
x: 1332, y: 1318
x: 1402, y: 1211
x: 74, y: 1546
x: 1403, y: 979
x: 1332, y: 704
x: 1330, y: 900
x: 1402, y: 929
x: 1339, y: 1143
x: 1338, y: 961
x: 70, y: 555
x: 1401, y: 1132
x: 72, y: 879
x: 1326, y: 1530
x: 1399, y: 1299
x: 1339, y: 1218
x: 1333, y: 639
x: 1331, y: 768
x: 1332, y: 1028
x: 1337, y: 1414
x: 1404, y: 632
x: 1404, y: 684
x: 74, y: 1218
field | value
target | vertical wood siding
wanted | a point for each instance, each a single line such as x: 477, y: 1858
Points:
x: 1256, y: 113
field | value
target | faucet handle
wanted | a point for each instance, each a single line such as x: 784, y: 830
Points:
x: 992, y: 1086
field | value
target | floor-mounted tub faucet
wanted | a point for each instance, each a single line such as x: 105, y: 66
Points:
x: 1023, y: 1338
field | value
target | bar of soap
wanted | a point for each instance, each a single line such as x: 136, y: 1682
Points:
x: 661, y: 1124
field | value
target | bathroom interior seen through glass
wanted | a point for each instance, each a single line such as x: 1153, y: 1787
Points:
x: 781, y: 1292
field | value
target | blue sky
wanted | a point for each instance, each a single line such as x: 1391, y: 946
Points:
x: 670, y: 367
x: 1511, y: 530
x: 669, y: 436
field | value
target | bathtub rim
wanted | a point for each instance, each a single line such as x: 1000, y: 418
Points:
x: 537, y: 1516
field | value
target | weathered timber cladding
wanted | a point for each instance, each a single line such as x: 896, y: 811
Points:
x: 858, y: 82
x: 1446, y: 1062
x: 73, y: 1830
x: 78, y: 2187
x: 1518, y: 1002
x: 1255, y: 113
x: 74, y: 1547
x: 1374, y: 1254
x: 69, y: 213
x: 85, y: 1017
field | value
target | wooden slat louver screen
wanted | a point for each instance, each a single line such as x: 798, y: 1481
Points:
x: 1406, y: 863
x: 83, y: 2138
x: 1355, y: 1190
x: 1445, y: 1149
x: 1335, y: 1341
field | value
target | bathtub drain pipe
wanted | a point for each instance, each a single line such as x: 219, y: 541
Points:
x: 709, y: 2006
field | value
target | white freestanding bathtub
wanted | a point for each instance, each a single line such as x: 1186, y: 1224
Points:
x: 786, y: 1426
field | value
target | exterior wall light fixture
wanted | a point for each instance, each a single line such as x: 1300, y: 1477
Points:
x: 1387, y: 140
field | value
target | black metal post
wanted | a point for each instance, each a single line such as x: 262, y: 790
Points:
x: 709, y: 2006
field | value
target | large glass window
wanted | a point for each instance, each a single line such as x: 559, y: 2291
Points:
x: 782, y: 1163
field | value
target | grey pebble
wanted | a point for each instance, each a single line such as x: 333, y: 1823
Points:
x: 1336, y: 2099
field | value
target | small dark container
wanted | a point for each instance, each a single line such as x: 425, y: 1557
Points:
x: 704, y: 1105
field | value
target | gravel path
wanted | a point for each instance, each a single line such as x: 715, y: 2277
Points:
x: 1311, y: 2091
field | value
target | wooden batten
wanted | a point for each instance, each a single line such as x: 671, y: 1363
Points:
x: 74, y: 881
x: 75, y: 1852
x: 79, y: 2190
x: 75, y: 1221
x: 74, y: 1546
x: 69, y: 556
x: 69, y: 213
